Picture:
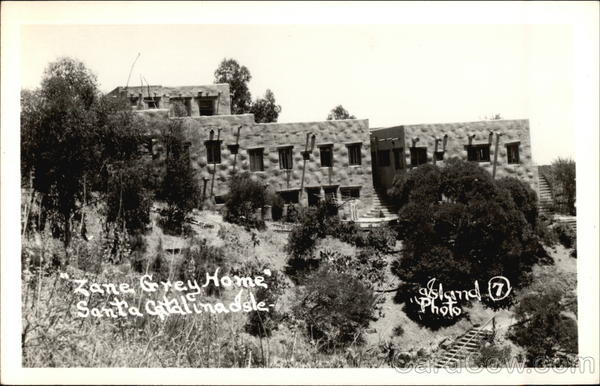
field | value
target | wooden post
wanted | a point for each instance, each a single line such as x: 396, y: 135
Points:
x: 495, y: 155
x: 212, y: 184
x: 304, y: 157
x: 237, y: 141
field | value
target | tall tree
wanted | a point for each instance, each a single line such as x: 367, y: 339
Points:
x: 70, y: 135
x: 265, y: 109
x: 339, y: 112
x: 230, y: 71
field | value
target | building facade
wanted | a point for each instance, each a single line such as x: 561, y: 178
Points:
x: 306, y: 161
x: 502, y: 147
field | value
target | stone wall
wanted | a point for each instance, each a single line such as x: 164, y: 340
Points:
x: 271, y: 137
x: 512, y: 131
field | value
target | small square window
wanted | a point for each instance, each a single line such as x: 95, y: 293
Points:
x: 418, y: 156
x: 220, y: 199
x: 285, y: 158
x: 383, y: 158
x: 313, y: 195
x: 439, y: 155
x: 354, y: 154
x: 206, y: 106
x: 213, y: 151
x: 350, y: 193
x: 512, y: 151
x: 256, y: 160
x: 330, y: 192
x: 399, y: 158
x: 478, y: 153
x: 326, y: 155
x: 290, y: 196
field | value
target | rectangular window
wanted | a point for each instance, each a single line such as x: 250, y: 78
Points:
x: 418, y: 156
x: 330, y: 192
x: 354, y: 154
x: 383, y: 158
x: 512, y: 150
x: 350, y: 193
x: 399, y: 158
x: 213, y: 151
x: 290, y: 196
x: 220, y: 199
x: 285, y: 158
x: 439, y: 155
x: 478, y: 153
x: 206, y: 106
x: 256, y: 160
x: 326, y: 155
x: 313, y: 195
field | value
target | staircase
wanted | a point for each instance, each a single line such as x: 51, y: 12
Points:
x: 381, y: 206
x: 544, y: 195
x: 463, y: 347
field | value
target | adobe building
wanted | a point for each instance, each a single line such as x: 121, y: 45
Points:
x: 502, y: 147
x: 305, y: 161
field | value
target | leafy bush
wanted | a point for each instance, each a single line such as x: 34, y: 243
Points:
x: 524, y: 197
x: 493, y: 356
x: 293, y: 214
x: 561, y: 177
x: 566, y: 235
x: 173, y: 221
x: 459, y: 226
x: 336, y: 307
x: 543, y: 329
x: 245, y: 197
x: 398, y: 330
x: 200, y: 259
x: 263, y: 323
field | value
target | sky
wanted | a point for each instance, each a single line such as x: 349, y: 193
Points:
x: 389, y: 74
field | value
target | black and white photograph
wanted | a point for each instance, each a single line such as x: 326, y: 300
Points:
x: 226, y: 187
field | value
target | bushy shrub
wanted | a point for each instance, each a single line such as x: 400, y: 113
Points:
x: 566, y: 235
x: 263, y: 323
x: 523, y: 196
x: 381, y: 238
x: 493, y: 356
x: 336, y: 308
x: 245, y: 197
x: 398, y: 330
x: 173, y: 221
x: 293, y: 214
x: 200, y: 259
x: 543, y: 329
x: 459, y: 226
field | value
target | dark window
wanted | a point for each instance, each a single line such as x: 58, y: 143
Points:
x: 348, y: 193
x: 256, y: 160
x: 399, y: 158
x: 383, y: 158
x: 313, y: 195
x: 418, y: 156
x: 479, y: 153
x: 330, y: 192
x: 219, y: 200
x: 285, y: 158
x: 290, y: 196
x: 206, y: 106
x: 439, y: 155
x: 213, y: 152
x: 151, y: 103
x: 512, y: 150
x: 326, y: 155
x: 354, y: 154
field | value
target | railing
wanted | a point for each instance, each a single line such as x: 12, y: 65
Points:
x: 448, y: 360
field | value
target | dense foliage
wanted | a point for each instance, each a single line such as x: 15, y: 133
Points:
x: 230, y: 71
x: 70, y: 136
x: 338, y: 113
x: 265, y: 109
x: 246, y: 196
x: 459, y: 225
x: 544, y: 329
